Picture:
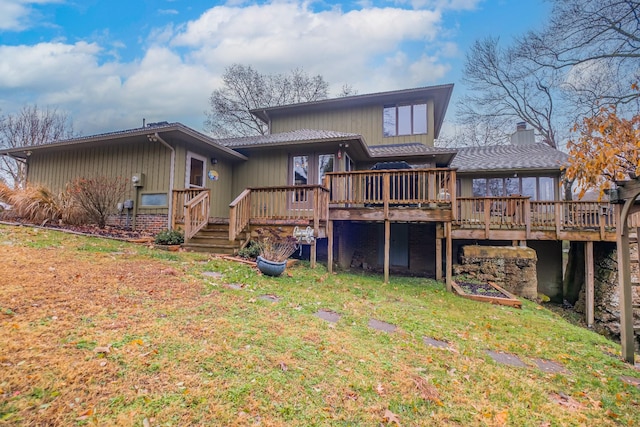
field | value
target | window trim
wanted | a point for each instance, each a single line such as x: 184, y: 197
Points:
x: 412, y: 119
x: 143, y: 206
x: 187, y: 177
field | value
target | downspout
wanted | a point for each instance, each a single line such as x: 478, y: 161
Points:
x: 157, y: 137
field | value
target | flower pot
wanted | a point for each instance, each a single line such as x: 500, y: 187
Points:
x: 270, y: 268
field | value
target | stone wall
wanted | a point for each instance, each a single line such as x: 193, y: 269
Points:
x: 511, y: 267
x: 607, y: 293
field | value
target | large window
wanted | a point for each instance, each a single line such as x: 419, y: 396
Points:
x: 310, y: 169
x: 537, y: 188
x: 401, y: 120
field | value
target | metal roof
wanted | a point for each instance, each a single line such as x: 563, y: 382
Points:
x: 508, y: 158
x: 287, y: 138
x: 163, y: 128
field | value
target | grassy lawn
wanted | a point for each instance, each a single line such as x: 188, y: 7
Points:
x: 101, y: 332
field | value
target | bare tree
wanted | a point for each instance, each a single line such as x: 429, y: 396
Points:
x: 245, y: 89
x: 592, y: 41
x: 476, y: 131
x: 506, y: 87
x: 29, y: 126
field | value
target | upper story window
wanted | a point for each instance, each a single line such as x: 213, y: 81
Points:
x: 401, y: 120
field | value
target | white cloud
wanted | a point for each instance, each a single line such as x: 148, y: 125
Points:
x: 17, y: 15
x: 373, y: 49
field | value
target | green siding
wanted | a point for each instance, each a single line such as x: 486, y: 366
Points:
x: 366, y: 121
x: 264, y: 169
x: 55, y: 169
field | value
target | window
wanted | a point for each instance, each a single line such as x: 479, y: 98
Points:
x: 195, y: 172
x: 325, y: 164
x: 536, y: 188
x: 404, y: 120
x: 300, y: 170
x: 154, y: 199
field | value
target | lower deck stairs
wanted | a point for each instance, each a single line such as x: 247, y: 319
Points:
x: 214, y: 238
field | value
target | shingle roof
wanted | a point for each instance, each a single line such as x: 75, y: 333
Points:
x: 508, y: 157
x: 408, y: 149
x: 296, y: 136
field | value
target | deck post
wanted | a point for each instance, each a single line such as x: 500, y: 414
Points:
x: 438, y: 259
x: 624, y: 282
x: 330, y: 246
x: 589, y: 279
x: 387, y: 235
x: 447, y: 232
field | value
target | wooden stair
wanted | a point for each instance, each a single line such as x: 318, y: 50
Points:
x: 214, y: 238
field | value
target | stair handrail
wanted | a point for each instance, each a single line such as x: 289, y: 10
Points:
x: 196, y: 214
x: 239, y: 214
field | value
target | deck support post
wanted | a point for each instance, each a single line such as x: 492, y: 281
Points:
x: 447, y: 232
x: 589, y: 279
x: 387, y: 246
x: 624, y: 281
x: 330, y: 246
x: 438, y: 258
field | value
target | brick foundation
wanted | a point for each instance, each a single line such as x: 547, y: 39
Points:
x: 147, y: 223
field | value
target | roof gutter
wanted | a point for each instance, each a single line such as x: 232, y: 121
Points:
x: 156, y: 137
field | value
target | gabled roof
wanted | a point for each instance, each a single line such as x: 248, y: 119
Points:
x: 440, y: 94
x: 411, y: 151
x: 166, y: 130
x: 503, y: 158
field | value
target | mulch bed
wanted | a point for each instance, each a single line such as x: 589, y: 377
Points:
x: 93, y: 230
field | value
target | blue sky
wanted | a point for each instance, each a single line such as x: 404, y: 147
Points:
x: 108, y: 64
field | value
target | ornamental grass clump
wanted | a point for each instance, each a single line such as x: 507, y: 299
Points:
x: 273, y: 246
x: 169, y: 237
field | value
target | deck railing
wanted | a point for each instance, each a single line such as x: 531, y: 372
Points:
x: 196, y: 214
x: 180, y: 198
x: 239, y: 214
x: 285, y: 203
x: 520, y: 212
x: 406, y: 187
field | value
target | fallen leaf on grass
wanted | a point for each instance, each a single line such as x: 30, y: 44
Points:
x: 501, y: 418
x: 102, y: 349
x: 427, y: 391
x: 566, y: 401
x: 389, y: 417
x: 283, y: 366
x: 380, y: 390
x: 84, y: 415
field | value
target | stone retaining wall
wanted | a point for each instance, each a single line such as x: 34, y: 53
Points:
x: 511, y: 267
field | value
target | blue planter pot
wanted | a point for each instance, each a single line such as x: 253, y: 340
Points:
x: 270, y: 268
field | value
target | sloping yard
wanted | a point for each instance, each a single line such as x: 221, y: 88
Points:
x: 101, y: 332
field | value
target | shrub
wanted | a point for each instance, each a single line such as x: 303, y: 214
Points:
x: 36, y: 204
x: 252, y: 250
x: 169, y: 237
x: 98, y: 196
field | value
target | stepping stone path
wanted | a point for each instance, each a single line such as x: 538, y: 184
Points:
x: 550, y: 366
x: 382, y: 326
x: 236, y: 286
x: 213, y: 274
x: 432, y: 342
x: 631, y: 381
x: 269, y: 297
x: 506, y: 359
x: 328, y: 315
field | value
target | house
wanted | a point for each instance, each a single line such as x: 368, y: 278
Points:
x: 333, y: 166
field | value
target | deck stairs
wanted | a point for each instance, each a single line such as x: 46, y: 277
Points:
x: 214, y: 238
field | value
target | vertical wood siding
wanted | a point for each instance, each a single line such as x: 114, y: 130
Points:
x: 263, y: 169
x: 366, y: 121
x: 56, y: 169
